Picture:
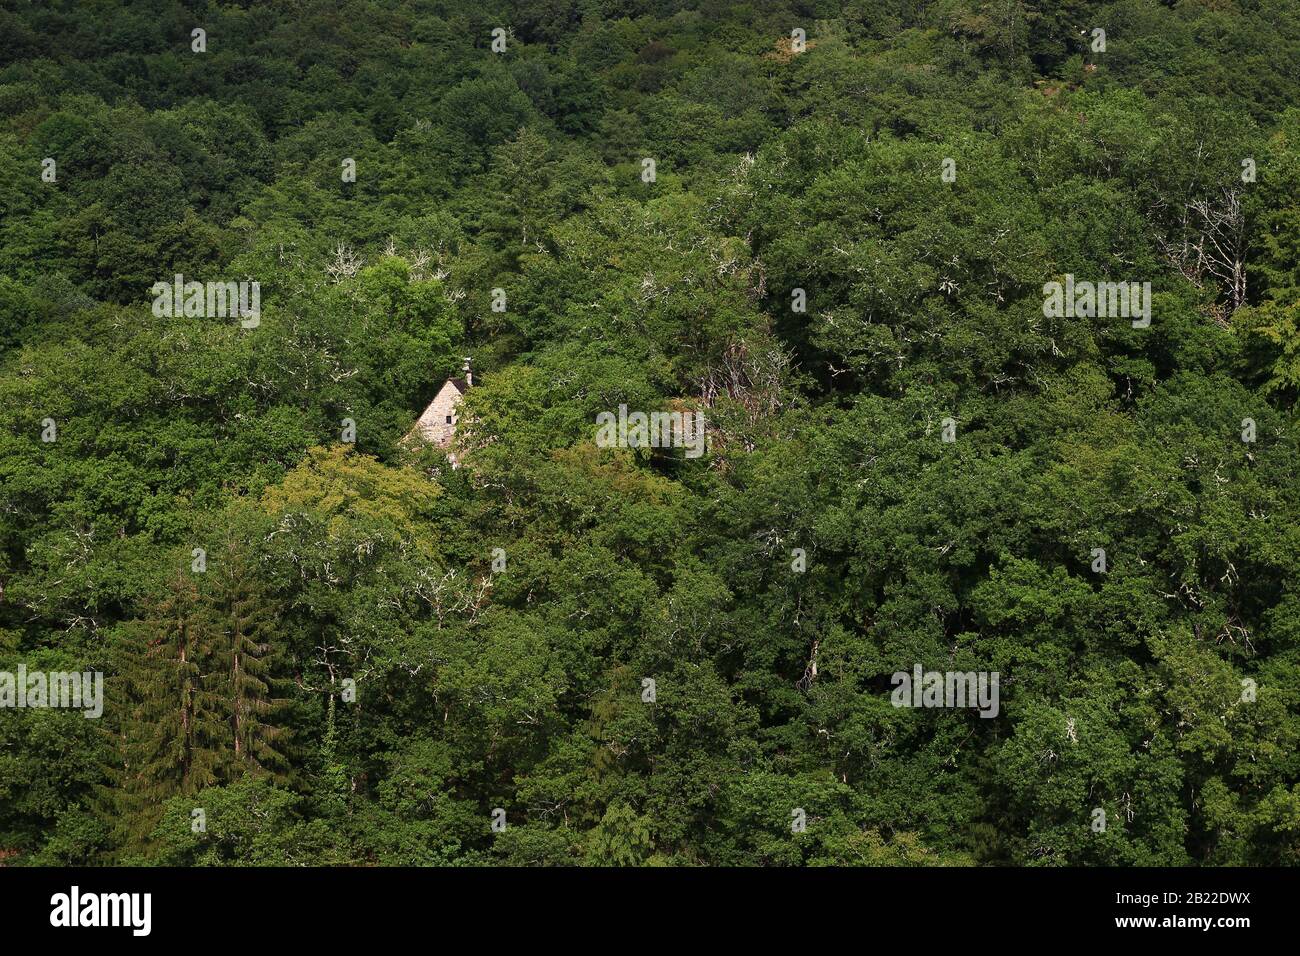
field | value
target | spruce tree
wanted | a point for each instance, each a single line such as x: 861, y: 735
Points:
x: 169, y: 732
x: 242, y: 664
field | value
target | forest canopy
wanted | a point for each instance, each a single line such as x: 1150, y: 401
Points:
x: 824, y: 230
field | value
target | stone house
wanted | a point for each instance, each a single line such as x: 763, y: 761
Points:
x: 437, y: 425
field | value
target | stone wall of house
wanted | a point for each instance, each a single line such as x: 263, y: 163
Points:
x: 433, y: 425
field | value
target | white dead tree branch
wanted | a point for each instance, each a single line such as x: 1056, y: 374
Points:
x: 1212, y: 245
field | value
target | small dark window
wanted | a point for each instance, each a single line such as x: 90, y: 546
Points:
x: 448, y: 419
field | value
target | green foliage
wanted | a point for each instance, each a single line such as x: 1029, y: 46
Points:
x: 653, y: 678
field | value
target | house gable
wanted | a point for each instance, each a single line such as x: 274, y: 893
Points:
x: 438, y: 423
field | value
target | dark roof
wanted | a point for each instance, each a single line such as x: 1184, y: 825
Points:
x: 459, y: 383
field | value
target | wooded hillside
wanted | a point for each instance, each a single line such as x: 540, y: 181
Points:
x: 826, y: 226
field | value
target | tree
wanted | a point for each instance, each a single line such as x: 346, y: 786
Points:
x: 170, y: 736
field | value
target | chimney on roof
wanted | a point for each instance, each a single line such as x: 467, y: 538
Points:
x: 469, y: 375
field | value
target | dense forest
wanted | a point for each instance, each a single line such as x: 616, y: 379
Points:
x: 828, y: 228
